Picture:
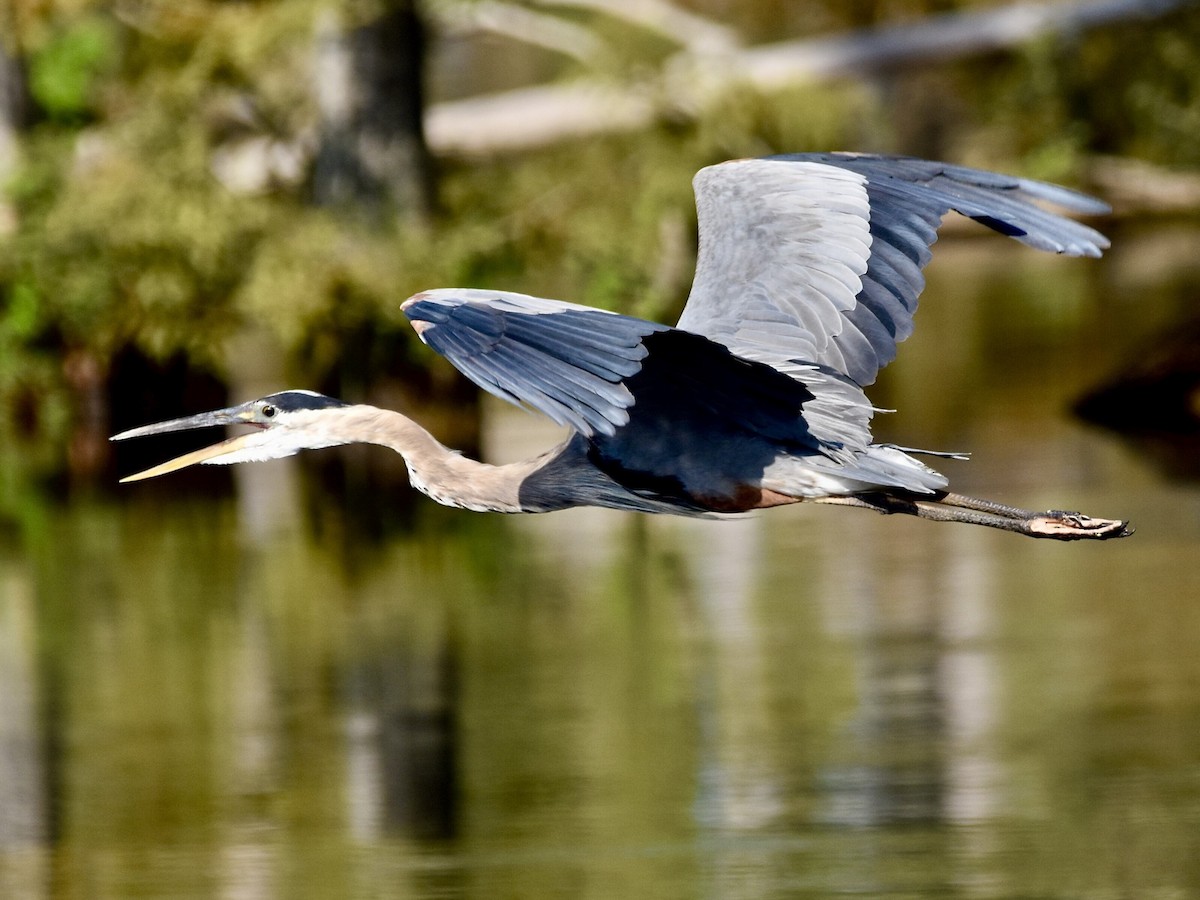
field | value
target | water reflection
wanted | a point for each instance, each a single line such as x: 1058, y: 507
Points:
x: 807, y: 701
x: 589, y: 704
x: 400, y: 727
x: 24, y: 818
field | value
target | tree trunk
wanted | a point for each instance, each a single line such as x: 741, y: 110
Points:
x: 13, y: 110
x: 370, y: 91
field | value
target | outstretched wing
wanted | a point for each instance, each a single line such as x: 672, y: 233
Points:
x: 567, y: 361
x: 818, y: 257
x: 593, y: 370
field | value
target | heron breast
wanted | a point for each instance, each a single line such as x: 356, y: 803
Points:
x: 744, y: 498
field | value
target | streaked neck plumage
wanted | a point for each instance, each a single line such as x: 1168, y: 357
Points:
x: 562, y: 477
x: 443, y: 474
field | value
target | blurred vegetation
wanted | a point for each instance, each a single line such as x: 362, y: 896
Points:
x: 124, y: 232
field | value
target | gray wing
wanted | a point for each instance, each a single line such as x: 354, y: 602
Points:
x: 594, y: 370
x: 817, y: 257
x: 569, y: 362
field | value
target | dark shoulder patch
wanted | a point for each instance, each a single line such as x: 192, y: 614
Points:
x: 704, y: 423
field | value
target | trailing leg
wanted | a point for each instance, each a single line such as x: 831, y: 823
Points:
x: 946, y: 507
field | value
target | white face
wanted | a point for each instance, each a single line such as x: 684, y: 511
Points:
x: 284, y: 424
x: 287, y: 434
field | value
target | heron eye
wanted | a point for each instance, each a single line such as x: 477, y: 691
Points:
x: 268, y: 411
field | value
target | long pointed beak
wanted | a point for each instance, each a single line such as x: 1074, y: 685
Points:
x: 234, y: 414
x: 232, y: 445
x: 201, y: 420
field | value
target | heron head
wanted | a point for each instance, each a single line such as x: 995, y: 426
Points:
x: 282, y: 424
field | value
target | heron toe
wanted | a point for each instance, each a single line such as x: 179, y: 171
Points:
x: 1072, y: 526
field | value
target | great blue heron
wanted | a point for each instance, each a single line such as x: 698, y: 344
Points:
x: 808, y: 273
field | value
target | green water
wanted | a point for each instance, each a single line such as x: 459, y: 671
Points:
x: 811, y: 702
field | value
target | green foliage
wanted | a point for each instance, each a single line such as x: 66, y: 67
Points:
x: 64, y: 74
x: 1128, y: 90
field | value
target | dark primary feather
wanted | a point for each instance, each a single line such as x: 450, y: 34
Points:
x: 908, y: 198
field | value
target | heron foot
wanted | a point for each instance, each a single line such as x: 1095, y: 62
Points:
x: 1072, y: 526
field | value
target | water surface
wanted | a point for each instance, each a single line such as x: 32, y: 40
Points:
x: 209, y: 699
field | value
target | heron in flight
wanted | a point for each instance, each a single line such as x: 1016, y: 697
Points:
x: 807, y: 277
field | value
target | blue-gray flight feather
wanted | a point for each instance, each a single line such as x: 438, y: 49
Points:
x: 566, y: 361
x: 772, y: 231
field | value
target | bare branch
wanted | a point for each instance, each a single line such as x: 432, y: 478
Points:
x: 537, y: 116
x: 520, y: 24
x: 697, y: 33
x: 534, y: 117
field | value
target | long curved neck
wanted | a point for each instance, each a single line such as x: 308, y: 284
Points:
x: 443, y: 474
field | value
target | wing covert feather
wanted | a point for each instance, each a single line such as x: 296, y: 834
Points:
x: 766, y: 229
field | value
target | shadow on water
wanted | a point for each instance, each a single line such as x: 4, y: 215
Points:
x: 212, y: 697
x: 1154, y: 401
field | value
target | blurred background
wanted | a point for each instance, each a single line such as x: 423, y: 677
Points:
x: 303, y: 679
